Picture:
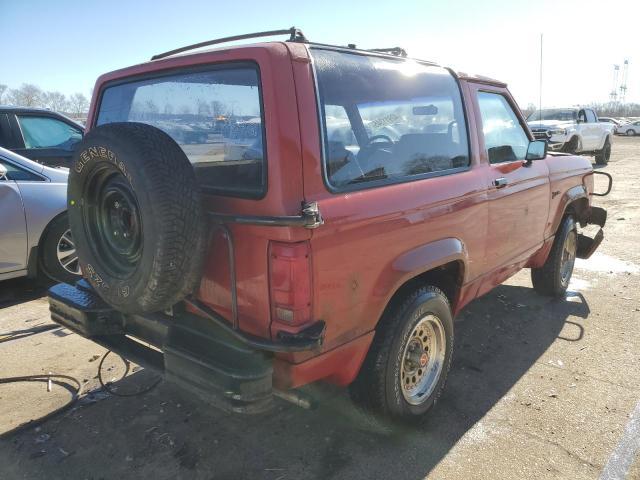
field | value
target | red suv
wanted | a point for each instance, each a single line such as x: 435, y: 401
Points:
x: 254, y: 218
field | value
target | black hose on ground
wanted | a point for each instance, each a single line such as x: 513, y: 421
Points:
x: 105, y: 385
x: 51, y: 377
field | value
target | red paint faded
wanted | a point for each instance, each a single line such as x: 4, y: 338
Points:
x: 373, y: 240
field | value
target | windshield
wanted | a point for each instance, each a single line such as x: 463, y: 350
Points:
x: 562, y: 114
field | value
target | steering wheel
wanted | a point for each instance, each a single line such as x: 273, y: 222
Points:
x: 380, y: 137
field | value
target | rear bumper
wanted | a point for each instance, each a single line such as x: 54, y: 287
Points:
x: 226, y: 367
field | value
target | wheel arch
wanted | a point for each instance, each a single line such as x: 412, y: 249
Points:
x: 574, y: 202
x: 36, y: 251
x: 442, y: 264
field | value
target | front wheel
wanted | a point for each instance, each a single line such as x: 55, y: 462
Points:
x: 408, y: 362
x: 552, y: 279
x: 572, y: 146
x: 602, y: 157
x: 630, y: 133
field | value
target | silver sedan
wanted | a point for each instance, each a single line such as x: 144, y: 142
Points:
x: 630, y: 129
x: 35, y: 239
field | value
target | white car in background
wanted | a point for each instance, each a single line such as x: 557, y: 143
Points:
x: 35, y: 239
x: 573, y: 130
x: 629, y: 129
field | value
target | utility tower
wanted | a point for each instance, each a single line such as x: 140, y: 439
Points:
x: 613, y: 95
x: 623, y: 81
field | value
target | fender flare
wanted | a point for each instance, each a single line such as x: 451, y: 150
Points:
x: 574, y: 194
x: 419, y: 260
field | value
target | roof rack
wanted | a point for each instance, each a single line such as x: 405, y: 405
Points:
x: 397, y: 51
x: 295, y: 35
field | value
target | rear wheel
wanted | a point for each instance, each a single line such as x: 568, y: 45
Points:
x: 552, y: 279
x: 631, y: 132
x: 409, y: 359
x: 602, y: 157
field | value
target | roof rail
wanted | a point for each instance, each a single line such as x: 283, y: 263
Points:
x: 295, y: 35
x: 397, y: 51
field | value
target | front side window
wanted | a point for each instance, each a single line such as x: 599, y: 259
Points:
x: 47, y: 132
x: 591, y: 116
x: 214, y: 115
x: 504, y: 137
x: 387, y: 120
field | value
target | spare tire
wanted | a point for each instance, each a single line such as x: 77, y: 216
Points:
x: 136, y: 216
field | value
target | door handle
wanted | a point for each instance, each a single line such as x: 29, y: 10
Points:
x: 500, y: 182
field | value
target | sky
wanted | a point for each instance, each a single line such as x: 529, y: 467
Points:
x: 65, y: 45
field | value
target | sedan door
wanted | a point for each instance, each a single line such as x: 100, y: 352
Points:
x: 13, y: 227
x: 46, y: 139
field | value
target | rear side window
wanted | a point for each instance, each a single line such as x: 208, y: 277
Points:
x: 46, y: 132
x: 387, y: 120
x: 215, y: 115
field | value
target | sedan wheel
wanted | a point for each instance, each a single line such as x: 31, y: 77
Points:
x: 630, y: 133
x: 57, y: 251
x: 67, y: 255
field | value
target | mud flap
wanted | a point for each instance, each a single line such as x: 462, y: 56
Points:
x: 598, y: 216
x: 588, y: 245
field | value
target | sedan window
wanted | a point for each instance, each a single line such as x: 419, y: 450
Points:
x: 46, y: 132
x: 19, y: 174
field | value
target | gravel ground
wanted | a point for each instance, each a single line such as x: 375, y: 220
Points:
x: 539, y: 389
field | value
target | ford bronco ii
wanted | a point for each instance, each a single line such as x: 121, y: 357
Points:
x: 254, y: 218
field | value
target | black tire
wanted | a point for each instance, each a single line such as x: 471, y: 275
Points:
x: 134, y: 182
x: 571, y: 146
x: 630, y: 132
x: 549, y: 280
x: 378, y: 388
x: 602, y: 157
x: 56, y: 237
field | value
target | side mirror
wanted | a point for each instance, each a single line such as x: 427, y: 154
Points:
x: 3, y: 172
x: 537, y: 150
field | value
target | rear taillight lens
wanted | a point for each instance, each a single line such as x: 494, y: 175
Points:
x: 290, y: 282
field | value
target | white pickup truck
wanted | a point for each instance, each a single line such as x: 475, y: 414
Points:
x: 573, y: 130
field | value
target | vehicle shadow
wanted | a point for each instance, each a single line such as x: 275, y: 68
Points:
x: 19, y: 290
x: 168, y: 434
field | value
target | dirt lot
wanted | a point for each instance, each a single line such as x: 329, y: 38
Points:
x: 539, y: 389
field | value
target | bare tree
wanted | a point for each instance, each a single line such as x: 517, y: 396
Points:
x: 203, y: 108
x: 3, y: 89
x: 56, y: 101
x: 78, y: 104
x: 28, y: 95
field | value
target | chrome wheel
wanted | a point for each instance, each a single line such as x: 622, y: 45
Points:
x: 423, y: 359
x: 67, y: 256
x: 568, y: 257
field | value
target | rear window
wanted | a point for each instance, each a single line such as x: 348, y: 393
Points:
x: 215, y: 115
x: 387, y: 120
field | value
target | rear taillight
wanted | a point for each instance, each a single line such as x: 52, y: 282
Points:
x: 290, y: 282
